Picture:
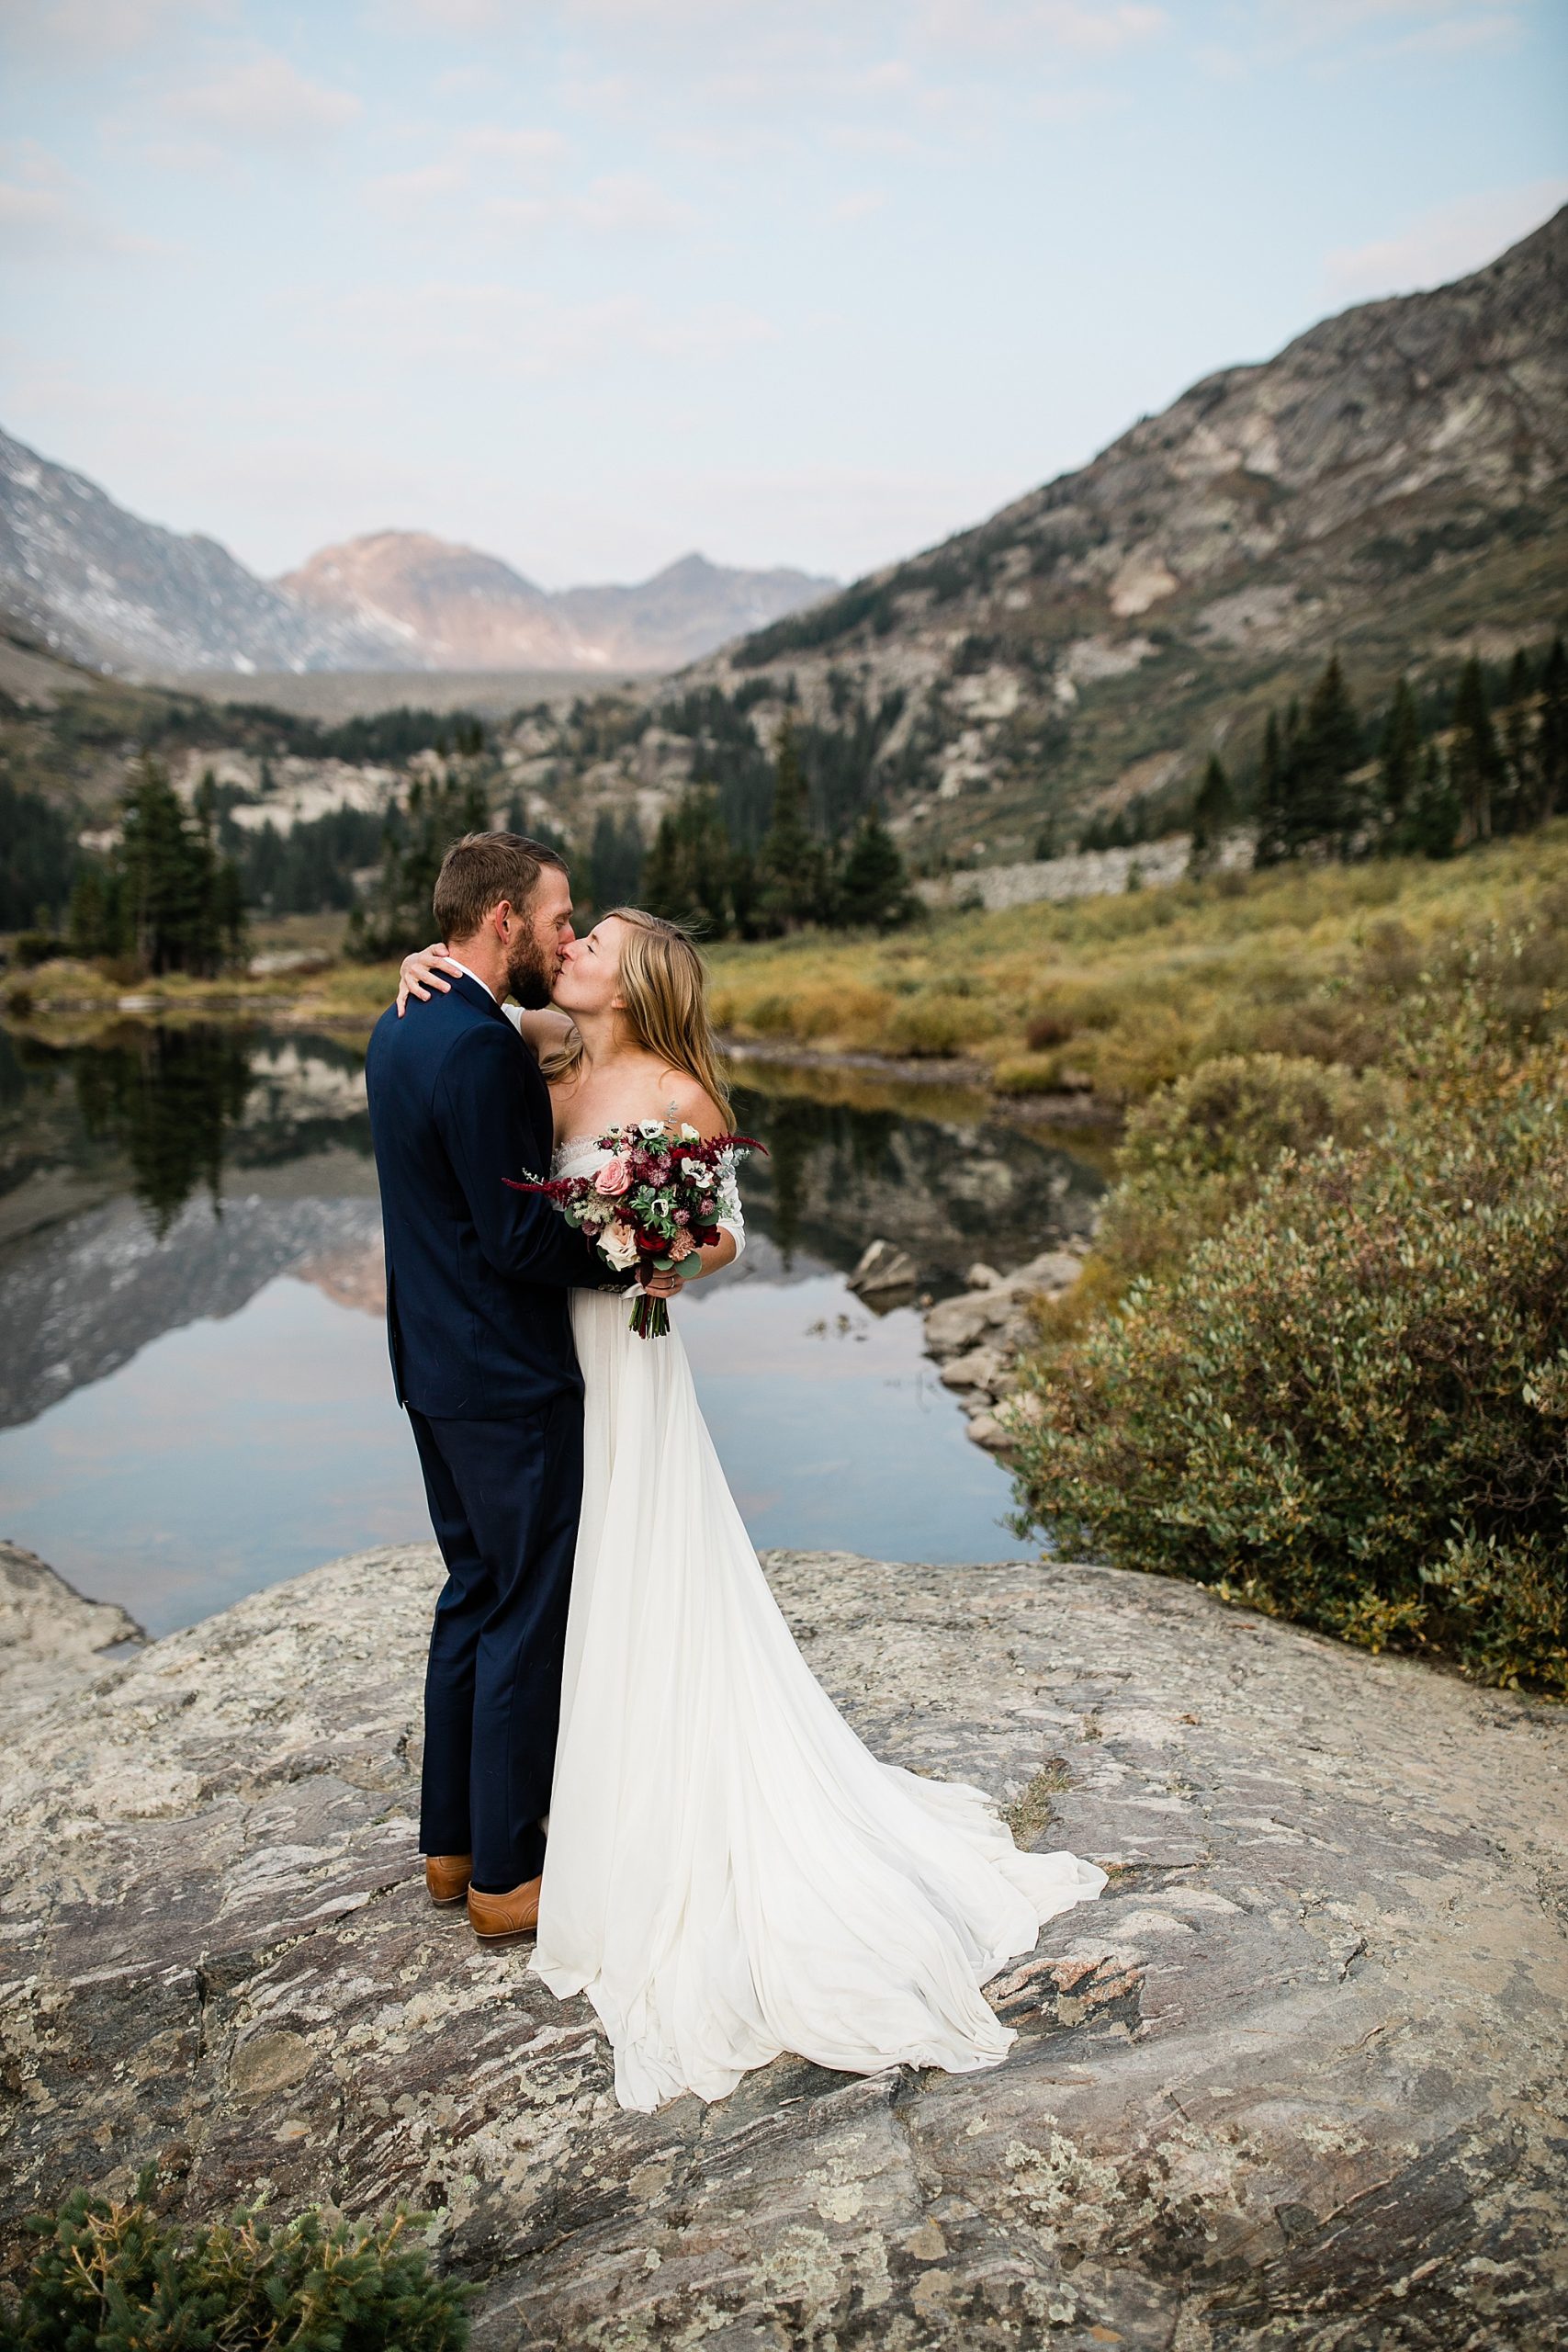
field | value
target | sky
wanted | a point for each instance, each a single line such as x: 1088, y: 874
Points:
x: 591, y: 285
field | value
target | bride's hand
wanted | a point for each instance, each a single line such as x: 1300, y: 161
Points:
x: 662, y: 1285
x: 417, y: 975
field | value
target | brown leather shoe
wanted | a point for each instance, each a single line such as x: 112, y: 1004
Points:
x: 447, y: 1876
x: 517, y: 1914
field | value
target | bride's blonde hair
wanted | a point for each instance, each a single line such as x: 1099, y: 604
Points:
x: 664, y: 984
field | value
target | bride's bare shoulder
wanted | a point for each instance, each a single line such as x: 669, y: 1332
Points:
x: 685, y: 1099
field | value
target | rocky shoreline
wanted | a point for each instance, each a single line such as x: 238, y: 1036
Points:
x: 1295, y: 2080
x: 978, y: 1336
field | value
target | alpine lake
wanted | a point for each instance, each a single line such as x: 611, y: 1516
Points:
x: 195, y: 1397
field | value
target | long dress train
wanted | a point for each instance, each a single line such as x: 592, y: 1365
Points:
x: 730, y: 1873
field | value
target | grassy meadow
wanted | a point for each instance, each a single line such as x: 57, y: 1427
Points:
x: 1108, y: 996
x: 1116, y: 996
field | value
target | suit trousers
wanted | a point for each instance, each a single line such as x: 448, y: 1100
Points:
x: 504, y: 1500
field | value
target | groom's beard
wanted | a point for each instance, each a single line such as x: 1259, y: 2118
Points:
x: 530, y: 974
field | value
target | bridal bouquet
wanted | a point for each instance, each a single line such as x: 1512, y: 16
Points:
x: 654, y: 1200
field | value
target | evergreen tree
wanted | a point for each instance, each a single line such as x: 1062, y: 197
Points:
x: 1212, y: 811
x: 614, y: 859
x: 438, y: 812
x: 687, y: 877
x: 1273, y: 832
x: 1431, y: 822
x: 1323, y: 810
x: 1519, y: 802
x: 1551, y: 732
x: 93, y: 923
x: 165, y: 901
x: 873, y: 885
x: 1399, y: 763
x: 39, y: 858
x: 1475, y: 761
x: 793, y: 869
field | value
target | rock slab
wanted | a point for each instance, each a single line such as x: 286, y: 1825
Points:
x: 1296, y: 2080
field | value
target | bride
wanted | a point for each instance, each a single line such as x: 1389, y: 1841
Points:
x: 730, y: 1873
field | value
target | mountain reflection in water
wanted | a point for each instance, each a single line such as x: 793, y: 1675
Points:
x: 174, y: 1429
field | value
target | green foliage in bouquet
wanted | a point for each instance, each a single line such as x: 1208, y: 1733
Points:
x: 121, y: 2277
x: 1347, y: 1402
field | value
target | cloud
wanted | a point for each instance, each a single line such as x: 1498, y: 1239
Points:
x: 524, y: 150
x: 92, y: 25
x: 618, y: 204
x: 625, y: 201
x: 470, y: 16
x: 1081, y: 27
x: 1446, y: 243
x: 403, y: 192
x: 525, y: 334
x: 1395, y: 25
x: 857, y: 206
x: 46, y: 211
x: 265, y: 101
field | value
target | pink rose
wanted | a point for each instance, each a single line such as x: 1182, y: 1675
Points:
x: 613, y: 1178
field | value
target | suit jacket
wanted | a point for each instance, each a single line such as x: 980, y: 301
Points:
x: 477, y: 1274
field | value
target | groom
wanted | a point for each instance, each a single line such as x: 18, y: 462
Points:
x: 482, y: 1359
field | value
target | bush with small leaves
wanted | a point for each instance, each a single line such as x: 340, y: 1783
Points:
x: 122, y: 2277
x: 1199, y: 1149
x: 1349, y: 1406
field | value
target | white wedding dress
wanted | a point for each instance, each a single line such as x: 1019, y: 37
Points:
x: 730, y: 1873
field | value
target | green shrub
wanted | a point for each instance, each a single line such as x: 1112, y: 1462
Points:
x: 1028, y: 1074
x: 1199, y: 1149
x: 35, y: 947
x: 939, y: 1022
x: 1349, y: 1406
x: 112, y: 2277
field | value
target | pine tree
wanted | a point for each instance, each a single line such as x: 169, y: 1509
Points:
x: 1551, y: 732
x: 1432, y: 819
x: 168, y: 897
x: 614, y: 859
x: 688, y: 875
x: 1519, y: 799
x: 1212, y: 812
x: 1475, y: 762
x: 1323, y: 810
x: 1399, y: 763
x: 874, y: 884
x: 414, y: 839
x: 792, y: 868
x: 1273, y: 832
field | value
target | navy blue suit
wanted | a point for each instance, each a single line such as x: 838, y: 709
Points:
x: 483, y: 1358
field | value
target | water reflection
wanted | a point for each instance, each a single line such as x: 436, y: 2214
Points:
x: 167, y: 1098
x: 194, y: 1397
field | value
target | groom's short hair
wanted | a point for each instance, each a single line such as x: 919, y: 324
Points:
x: 480, y: 870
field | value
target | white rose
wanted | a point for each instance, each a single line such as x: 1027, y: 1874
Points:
x: 618, y: 1244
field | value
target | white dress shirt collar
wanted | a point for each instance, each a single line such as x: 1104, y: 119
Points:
x: 474, y: 977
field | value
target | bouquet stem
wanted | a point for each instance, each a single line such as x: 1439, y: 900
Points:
x: 650, y: 1317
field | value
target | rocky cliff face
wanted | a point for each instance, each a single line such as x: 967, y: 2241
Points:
x: 1391, y: 484
x: 101, y: 585
x: 1296, y: 2080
